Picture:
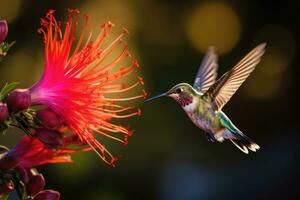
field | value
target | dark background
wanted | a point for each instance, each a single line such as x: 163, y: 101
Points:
x: 169, y: 158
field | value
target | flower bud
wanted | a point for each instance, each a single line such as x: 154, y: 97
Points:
x: 18, y: 99
x: 3, y: 112
x: 49, y: 119
x: 50, y: 137
x: 47, y: 195
x: 3, y: 30
x: 8, y: 162
x: 35, y: 184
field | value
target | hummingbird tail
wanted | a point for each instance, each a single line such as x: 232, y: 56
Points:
x: 244, y: 143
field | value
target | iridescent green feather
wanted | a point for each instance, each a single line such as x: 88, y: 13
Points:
x: 225, y: 121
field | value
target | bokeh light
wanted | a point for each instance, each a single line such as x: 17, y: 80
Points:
x: 213, y: 23
x: 10, y: 11
x: 271, y: 74
x: 264, y: 86
x: 184, y: 181
x: 274, y: 62
x: 119, y: 13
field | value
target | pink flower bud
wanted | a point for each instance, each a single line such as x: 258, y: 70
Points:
x: 3, y: 30
x: 47, y: 195
x: 49, y: 119
x: 35, y: 184
x: 3, y: 112
x: 50, y: 137
x: 18, y: 99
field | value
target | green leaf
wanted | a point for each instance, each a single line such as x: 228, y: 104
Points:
x: 4, y: 127
x: 5, y: 46
x: 7, y: 89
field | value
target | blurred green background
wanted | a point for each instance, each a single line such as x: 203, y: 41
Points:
x: 169, y: 158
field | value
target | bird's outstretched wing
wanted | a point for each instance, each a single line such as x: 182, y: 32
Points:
x: 227, y: 85
x: 207, y: 73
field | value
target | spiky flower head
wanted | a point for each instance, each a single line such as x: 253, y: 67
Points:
x: 84, y: 80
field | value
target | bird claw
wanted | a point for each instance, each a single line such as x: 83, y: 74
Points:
x: 210, y: 137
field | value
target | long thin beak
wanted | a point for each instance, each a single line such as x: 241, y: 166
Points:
x: 156, y: 97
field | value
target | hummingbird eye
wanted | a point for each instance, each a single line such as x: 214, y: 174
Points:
x: 178, y: 90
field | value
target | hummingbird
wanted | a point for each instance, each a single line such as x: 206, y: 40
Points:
x: 203, y: 102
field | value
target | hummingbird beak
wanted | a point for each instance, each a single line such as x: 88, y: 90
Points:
x: 156, y: 97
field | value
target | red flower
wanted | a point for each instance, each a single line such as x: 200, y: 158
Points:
x: 79, y: 85
x: 17, y: 173
x: 30, y: 153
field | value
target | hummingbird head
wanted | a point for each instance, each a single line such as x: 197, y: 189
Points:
x: 183, y: 93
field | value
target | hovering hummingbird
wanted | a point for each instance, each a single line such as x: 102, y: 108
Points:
x: 203, y: 102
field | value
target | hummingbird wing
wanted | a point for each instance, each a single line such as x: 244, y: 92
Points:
x: 207, y: 72
x: 228, y: 84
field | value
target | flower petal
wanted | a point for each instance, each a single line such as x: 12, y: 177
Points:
x: 47, y: 195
